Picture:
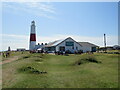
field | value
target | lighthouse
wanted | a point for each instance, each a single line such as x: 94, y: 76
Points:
x: 32, y: 37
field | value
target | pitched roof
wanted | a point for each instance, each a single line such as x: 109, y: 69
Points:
x: 57, y: 42
x: 87, y: 44
x: 116, y: 46
x: 54, y: 43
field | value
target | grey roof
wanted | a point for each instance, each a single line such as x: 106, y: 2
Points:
x: 54, y: 43
x: 38, y: 47
x: 58, y: 42
x: 116, y: 46
x: 87, y: 44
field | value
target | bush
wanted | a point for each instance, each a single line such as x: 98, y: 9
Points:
x: 37, y: 60
x: 26, y: 57
x: 87, y: 59
x: 32, y: 70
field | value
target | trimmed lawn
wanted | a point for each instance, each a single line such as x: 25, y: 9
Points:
x: 62, y: 72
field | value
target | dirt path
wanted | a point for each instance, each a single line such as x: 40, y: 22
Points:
x: 9, y: 59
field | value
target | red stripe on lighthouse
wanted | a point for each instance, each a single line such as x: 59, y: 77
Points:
x: 32, y: 37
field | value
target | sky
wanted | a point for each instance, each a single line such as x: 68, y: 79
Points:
x: 83, y: 21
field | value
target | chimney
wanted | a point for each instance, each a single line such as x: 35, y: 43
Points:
x: 105, y: 42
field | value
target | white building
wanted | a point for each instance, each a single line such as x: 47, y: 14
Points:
x: 86, y: 46
x: 69, y: 44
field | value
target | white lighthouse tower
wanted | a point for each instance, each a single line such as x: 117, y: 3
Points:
x: 32, y: 37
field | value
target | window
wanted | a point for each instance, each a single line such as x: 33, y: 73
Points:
x: 73, y: 47
x: 51, y: 48
x: 76, y: 48
x: 62, y: 48
x: 69, y: 43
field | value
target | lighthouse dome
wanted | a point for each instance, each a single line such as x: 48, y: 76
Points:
x: 33, y: 22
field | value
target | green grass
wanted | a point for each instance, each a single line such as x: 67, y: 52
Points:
x: 87, y: 59
x: 113, y: 50
x: 62, y: 72
x: 14, y: 53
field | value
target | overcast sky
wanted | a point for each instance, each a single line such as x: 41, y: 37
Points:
x: 83, y: 21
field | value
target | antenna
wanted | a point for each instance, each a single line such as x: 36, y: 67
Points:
x: 105, y: 42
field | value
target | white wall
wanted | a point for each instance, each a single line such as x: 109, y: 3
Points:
x: 86, y: 48
x: 32, y: 45
x: 69, y: 47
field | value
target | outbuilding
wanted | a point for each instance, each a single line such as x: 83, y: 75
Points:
x: 21, y: 49
x: 86, y: 46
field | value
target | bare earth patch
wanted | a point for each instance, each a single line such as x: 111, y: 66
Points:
x: 8, y: 60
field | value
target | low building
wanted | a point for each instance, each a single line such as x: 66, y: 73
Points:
x: 86, y: 46
x: 21, y: 49
x: 116, y: 47
x: 69, y: 44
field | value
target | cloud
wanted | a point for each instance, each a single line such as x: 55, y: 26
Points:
x: 34, y: 8
x: 18, y: 41
x: 14, y: 41
x: 44, y: 7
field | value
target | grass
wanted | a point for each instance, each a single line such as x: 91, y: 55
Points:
x: 87, y: 59
x: 62, y: 72
x: 15, y: 54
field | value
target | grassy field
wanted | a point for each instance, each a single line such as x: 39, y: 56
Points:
x: 61, y: 71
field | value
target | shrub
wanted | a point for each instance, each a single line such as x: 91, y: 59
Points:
x: 32, y: 70
x: 26, y: 57
x: 38, y: 60
x: 87, y: 59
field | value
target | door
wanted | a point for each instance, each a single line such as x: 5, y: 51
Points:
x: 93, y: 49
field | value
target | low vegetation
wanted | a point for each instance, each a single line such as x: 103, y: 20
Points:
x: 30, y: 69
x: 98, y: 70
x: 87, y: 59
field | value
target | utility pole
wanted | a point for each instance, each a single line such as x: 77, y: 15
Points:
x: 105, y: 42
